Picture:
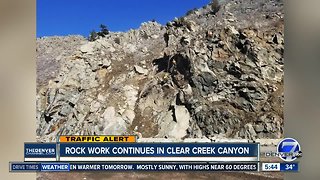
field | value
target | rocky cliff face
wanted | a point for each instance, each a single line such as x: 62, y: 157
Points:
x: 214, y: 72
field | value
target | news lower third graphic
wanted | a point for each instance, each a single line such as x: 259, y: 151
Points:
x: 125, y: 153
x: 98, y: 166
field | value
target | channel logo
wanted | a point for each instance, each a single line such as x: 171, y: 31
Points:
x: 289, y: 149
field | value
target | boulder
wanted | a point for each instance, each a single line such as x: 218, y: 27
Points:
x: 87, y: 48
x: 113, y: 125
x: 141, y: 70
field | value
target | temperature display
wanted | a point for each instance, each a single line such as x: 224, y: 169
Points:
x: 289, y: 167
x: 285, y: 167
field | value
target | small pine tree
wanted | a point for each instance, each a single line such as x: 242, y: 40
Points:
x: 93, y: 36
x: 104, y: 30
x: 102, y: 33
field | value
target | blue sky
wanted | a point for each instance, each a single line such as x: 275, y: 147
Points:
x: 64, y: 17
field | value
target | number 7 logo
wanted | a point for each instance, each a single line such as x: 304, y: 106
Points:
x: 288, y: 148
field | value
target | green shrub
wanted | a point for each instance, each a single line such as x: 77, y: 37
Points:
x: 102, y: 33
x: 93, y: 36
x: 103, y: 29
x: 117, y: 40
x: 215, y: 6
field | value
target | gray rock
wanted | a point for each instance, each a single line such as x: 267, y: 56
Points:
x: 101, y: 98
x: 185, y: 40
x: 242, y: 133
x: 87, y: 48
x: 155, y: 36
x: 128, y: 115
x: 144, y: 49
x: 191, y: 25
x: 95, y: 105
x: 232, y: 30
x: 65, y: 110
x: 259, y: 128
x: 235, y: 69
x: 231, y: 19
x: 106, y: 63
x: 141, y: 70
x: 182, y: 118
x: 113, y: 124
x: 251, y: 133
x: 277, y: 39
x: 94, y: 65
x: 269, y: 127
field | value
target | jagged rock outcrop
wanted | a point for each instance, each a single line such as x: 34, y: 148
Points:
x: 50, y: 50
x: 206, y: 74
